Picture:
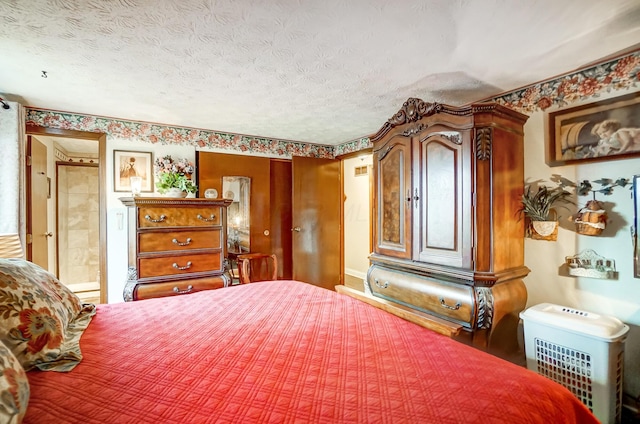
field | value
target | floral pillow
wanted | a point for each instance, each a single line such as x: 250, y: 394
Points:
x: 14, y: 388
x: 41, y: 320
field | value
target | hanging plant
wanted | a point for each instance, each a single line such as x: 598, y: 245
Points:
x: 591, y: 220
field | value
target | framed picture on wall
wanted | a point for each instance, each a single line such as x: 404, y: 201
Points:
x: 128, y: 164
x: 604, y: 130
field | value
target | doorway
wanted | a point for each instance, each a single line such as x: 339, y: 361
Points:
x: 86, y: 153
x: 78, y: 228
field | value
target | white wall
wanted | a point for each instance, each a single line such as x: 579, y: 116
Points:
x: 356, y: 216
x: 621, y: 297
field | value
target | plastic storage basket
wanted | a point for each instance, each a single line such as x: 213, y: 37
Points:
x: 581, y: 350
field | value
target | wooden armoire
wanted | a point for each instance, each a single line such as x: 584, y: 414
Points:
x: 448, y: 244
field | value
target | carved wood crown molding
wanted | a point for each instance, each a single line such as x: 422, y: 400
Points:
x: 413, y: 110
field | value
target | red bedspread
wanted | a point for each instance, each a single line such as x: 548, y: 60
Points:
x: 284, y: 352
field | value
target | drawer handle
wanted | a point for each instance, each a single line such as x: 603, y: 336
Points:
x: 188, y: 289
x: 179, y: 243
x: 382, y: 286
x: 182, y: 268
x: 453, y: 308
x: 212, y: 217
x: 161, y: 219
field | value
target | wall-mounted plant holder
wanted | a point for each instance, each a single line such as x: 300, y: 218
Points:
x: 590, y: 264
x: 543, y: 230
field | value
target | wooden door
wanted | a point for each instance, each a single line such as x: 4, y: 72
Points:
x: 394, y: 197
x: 211, y: 167
x: 317, y: 234
x: 37, y: 228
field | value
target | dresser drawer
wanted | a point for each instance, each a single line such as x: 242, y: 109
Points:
x: 447, y: 300
x: 179, y: 264
x: 157, y: 241
x: 176, y: 288
x: 155, y: 217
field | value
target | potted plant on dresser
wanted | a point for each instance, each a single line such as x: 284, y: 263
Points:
x: 537, y: 207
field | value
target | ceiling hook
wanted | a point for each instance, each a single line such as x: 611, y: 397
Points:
x: 44, y: 74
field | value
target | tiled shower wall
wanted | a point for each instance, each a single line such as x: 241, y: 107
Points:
x: 78, y: 224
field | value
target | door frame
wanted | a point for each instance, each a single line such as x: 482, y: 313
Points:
x: 101, y: 138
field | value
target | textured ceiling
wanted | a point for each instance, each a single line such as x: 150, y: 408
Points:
x: 319, y: 71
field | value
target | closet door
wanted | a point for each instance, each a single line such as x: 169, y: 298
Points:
x: 211, y: 167
x: 443, y: 214
x: 394, y: 198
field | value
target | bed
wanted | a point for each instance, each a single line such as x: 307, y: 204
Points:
x: 283, y: 352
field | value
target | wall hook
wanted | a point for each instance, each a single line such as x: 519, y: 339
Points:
x: 4, y: 105
x: 44, y: 74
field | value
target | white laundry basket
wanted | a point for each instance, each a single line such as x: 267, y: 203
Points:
x: 581, y: 350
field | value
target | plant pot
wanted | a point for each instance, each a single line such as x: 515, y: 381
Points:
x: 544, y: 230
x: 175, y: 192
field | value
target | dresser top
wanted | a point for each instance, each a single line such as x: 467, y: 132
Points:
x: 172, y: 201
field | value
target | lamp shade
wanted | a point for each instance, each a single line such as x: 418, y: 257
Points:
x: 10, y: 246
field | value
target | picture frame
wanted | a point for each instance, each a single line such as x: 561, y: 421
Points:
x: 599, y: 131
x: 129, y: 163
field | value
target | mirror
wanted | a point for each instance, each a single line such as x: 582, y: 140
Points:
x: 238, y: 189
x: 636, y: 226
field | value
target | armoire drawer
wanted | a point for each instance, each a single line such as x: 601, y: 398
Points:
x: 157, y: 241
x: 444, y: 299
x: 156, y: 217
x: 176, y: 288
x: 158, y: 266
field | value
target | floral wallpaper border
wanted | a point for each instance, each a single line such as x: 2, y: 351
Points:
x: 166, y: 134
x: 619, y: 74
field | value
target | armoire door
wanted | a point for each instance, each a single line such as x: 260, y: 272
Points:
x: 317, y: 218
x: 442, y: 215
x: 394, y: 198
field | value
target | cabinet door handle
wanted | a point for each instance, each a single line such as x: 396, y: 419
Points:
x: 416, y: 198
x: 212, y: 217
x: 453, y: 308
x: 182, y: 268
x: 187, y: 290
x: 409, y: 195
x: 180, y: 243
x: 161, y: 219
x: 382, y: 286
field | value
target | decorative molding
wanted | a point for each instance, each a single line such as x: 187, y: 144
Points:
x: 484, y: 138
x: 484, y: 297
x: 130, y: 285
x: 452, y: 136
x: 414, y: 130
x: 413, y: 110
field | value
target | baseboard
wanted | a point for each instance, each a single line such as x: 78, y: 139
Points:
x: 354, y: 273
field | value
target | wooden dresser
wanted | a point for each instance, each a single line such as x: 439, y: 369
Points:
x: 176, y: 246
x: 448, y: 245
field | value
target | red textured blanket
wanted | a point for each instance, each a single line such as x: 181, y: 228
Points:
x: 284, y: 352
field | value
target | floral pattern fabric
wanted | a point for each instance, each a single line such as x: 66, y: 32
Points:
x: 14, y: 388
x: 41, y: 319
